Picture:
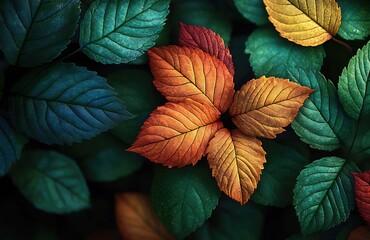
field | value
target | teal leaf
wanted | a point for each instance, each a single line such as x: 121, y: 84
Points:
x: 324, y: 195
x: 11, y: 145
x: 64, y: 104
x: 51, y: 182
x: 270, y: 54
x: 355, y: 19
x: 184, y: 198
x: 119, y: 31
x: 110, y: 164
x: 203, y: 13
x: 321, y: 121
x: 283, y: 164
x: 253, y: 10
x: 33, y: 32
x: 232, y: 221
x: 135, y: 88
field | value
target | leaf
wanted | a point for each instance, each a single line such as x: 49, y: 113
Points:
x: 323, y: 195
x: 177, y: 134
x: 279, y: 175
x: 232, y: 221
x: 64, y: 104
x: 136, y: 218
x: 11, y: 145
x: 362, y: 194
x: 184, y: 72
x: 236, y: 161
x: 208, y: 41
x: 360, y: 233
x: 184, y: 198
x: 253, y: 10
x: 202, y: 13
x: 305, y: 22
x: 321, y: 121
x: 135, y: 88
x: 51, y: 182
x: 36, y: 32
x: 355, y: 19
x: 262, y: 107
x: 270, y: 54
x: 120, y: 31
x: 355, y: 99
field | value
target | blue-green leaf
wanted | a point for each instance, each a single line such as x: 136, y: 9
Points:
x: 64, y: 104
x: 355, y: 23
x: 119, y: 31
x: 270, y: 54
x: 184, y: 198
x: 51, y: 182
x: 323, y: 195
x: 253, y: 10
x: 321, y: 121
x: 283, y: 164
x: 11, y: 145
x: 33, y: 32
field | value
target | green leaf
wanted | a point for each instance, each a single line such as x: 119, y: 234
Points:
x: 51, y: 182
x: 203, y: 13
x: 232, y: 221
x: 323, y: 195
x: 184, y: 198
x: 119, y: 31
x: 253, y: 10
x: 270, y: 54
x: 353, y: 89
x: 321, y: 121
x: 64, y: 104
x: 110, y: 164
x: 355, y: 19
x: 282, y: 167
x: 135, y: 88
x: 34, y: 32
x: 11, y: 145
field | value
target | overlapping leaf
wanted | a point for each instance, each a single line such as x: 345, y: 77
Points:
x: 64, y: 104
x: 118, y: 31
x: 253, y: 10
x: 177, y: 134
x: 305, y: 22
x: 34, y: 32
x: 360, y: 233
x: 208, y: 41
x: 237, y: 162
x: 323, y: 195
x: 264, y: 106
x: 136, y: 218
x: 51, y: 181
x: 184, y: 72
x: 321, y: 121
x: 362, y: 194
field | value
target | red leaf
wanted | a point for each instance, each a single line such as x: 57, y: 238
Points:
x: 360, y: 233
x: 208, y: 41
x: 362, y: 194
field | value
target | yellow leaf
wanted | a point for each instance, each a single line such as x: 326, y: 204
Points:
x: 236, y: 161
x: 264, y: 106
x: 177, y: 134
x: 136, y: 218
x: 305, y: 22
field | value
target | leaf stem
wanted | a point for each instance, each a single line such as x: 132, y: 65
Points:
x: 70, y: 54
x: 346, y: 45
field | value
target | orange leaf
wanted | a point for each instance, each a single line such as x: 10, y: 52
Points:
x: 264, y: 106
x: 208, y: 41
x: 305, y: 22
x: 136, y: 218
x: 237, y: 162
x: 360, y: 233
x: 177, y: 134
x: 185, y: 72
